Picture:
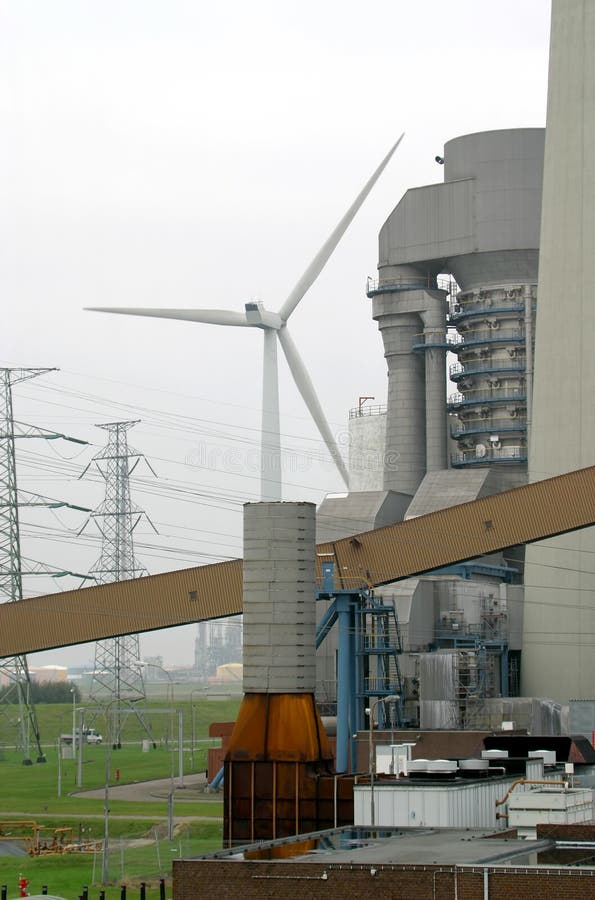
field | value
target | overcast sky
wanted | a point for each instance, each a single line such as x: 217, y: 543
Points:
x: 192, y: 155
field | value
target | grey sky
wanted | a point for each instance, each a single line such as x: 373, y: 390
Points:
x: 183, y: 154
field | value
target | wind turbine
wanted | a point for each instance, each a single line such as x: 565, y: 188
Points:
x: 274, y: 326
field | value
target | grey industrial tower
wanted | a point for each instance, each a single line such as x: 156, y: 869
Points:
x: 524, y: 368
x: 457, y: 281
x: 559, y: 623
x: 117, y: 673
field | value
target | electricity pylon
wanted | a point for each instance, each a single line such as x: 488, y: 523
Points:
x: 14, y: 671
x: 117, y: 675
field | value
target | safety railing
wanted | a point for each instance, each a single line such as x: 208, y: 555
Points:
x: 488, y: 454
x: 360, y: 411
x: 490, y: 336
x: 516, y: 364
x: 490, y: 395
x: 489, y: 426
x: 411, y: 283
x: 459, y: 311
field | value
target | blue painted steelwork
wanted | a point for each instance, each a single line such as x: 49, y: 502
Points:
x: 456, y: 317
x: 495, y: 337
x: 489, y: 428
x: 483, y: 647
x: 217, y: 780
x: 325, y: 624
x: 458, y: 374
x: 458, y: 460
x: 378, y: 637
x: 356, y: 646
x: 429, y: 345
x: 456, y: 401
x: 398, y: 288
x: 346, y: 712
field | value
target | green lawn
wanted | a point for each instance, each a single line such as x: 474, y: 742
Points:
x: 139, y: 849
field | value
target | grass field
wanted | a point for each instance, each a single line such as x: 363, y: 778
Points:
x: 139, y: 849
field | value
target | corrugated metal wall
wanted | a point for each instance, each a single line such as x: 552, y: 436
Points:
x: 436, y: 806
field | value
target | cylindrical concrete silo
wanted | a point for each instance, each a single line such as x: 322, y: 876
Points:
x: 367, y: 437
x: 278, y: 745
x: 494, y: 310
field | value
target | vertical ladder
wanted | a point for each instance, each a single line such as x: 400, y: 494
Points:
x: 378, y: 648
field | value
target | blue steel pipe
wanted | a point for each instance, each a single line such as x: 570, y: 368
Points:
x: 344, y: 683
x: 217, y: 780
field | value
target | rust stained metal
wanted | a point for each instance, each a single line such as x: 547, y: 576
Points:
x: 540, y: 510
x: 270, y: 799
x: 279, y: 727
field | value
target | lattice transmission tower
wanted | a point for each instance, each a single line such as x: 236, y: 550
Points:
x: 117, y: 675
x: 15, y: 682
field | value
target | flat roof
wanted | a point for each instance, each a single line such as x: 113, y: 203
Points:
x: 404, y: 846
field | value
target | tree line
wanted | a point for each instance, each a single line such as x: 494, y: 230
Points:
x: 44, y: 692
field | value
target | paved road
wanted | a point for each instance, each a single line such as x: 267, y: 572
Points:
x: 193, y: 790
x: 7, y: 848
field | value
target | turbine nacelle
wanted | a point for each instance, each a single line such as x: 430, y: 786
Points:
x: 259, y: 317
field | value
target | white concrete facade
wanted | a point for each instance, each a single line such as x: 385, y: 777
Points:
x: 279, y: 598
x: 559, y: 620
x: 367, y: 437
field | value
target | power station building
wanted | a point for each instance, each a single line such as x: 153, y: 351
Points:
x: 559, y: 624
x: 456, y: 291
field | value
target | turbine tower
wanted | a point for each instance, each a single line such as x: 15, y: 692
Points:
x: 274, y: 326
x: 117, y: 676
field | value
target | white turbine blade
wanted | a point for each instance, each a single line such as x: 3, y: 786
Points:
x: 306, y: 389
x: 325, y: 252
x: 207, y: 316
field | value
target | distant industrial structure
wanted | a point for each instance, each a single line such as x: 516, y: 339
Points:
x: 217, y: 643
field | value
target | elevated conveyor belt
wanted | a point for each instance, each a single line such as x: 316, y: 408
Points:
x: 521, y: 516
